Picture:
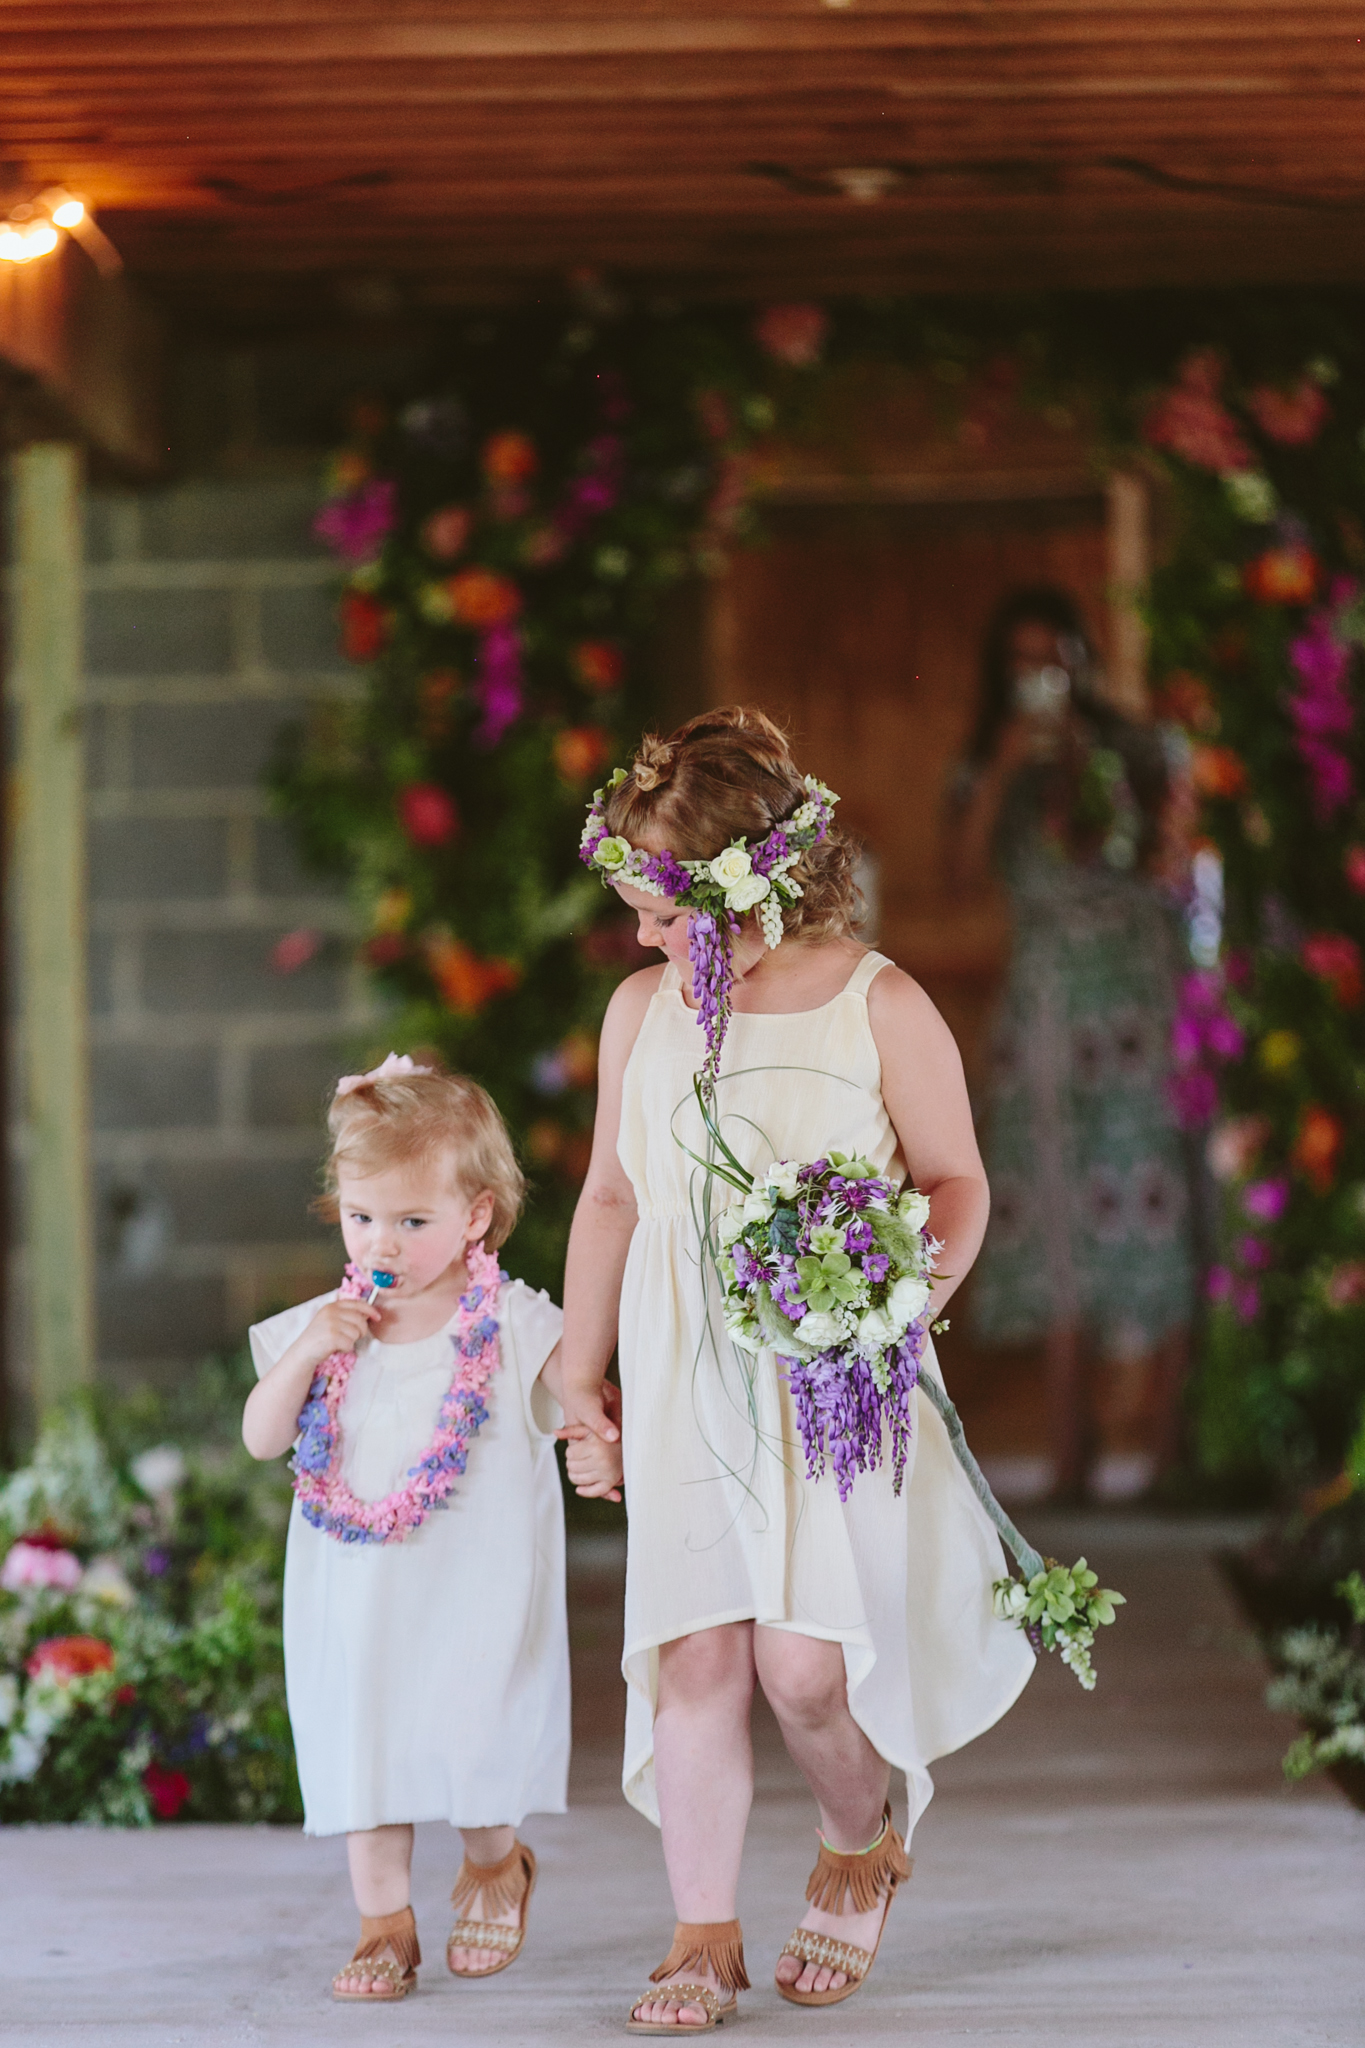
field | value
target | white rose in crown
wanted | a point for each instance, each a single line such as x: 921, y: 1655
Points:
x: 908, y: 1298
x: 612, y: 854
x: 914, y: 1208
x: 746, y: 893
x: 731, y: 866
x: 781, y: 1178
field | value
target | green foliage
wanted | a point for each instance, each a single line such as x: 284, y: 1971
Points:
x: 1060, y: 1608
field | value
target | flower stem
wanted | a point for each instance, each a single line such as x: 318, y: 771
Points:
x: 1028, y: 1559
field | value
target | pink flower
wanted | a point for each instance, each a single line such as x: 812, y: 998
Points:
x: 1233, y: 1147
x: 356, y: 526
x: 1294, y: 417
x: 1265, y: 1201
x: 1218, y: 1285
x: 1191, y: 420
x: 427, y: 814
x: 1353, y: 862
x: 498, y: 684
x: 444, y: 533
x: 794, y: 335
x: 1194, y: 1097
x: 1187, y: 1039
x: 1346, y: 1284
x: 37, y: 1567
x: 1246, y: 1300
x: 1225, y: 1039
x: 1255, y: 1254
x: 294, y: 950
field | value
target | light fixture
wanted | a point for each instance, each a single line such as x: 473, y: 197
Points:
x: 35, y: 228
x: 865, y: 183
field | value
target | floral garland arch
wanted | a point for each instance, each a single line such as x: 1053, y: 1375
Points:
x: 511, y: 533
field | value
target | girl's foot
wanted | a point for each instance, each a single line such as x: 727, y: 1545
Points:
x: 859, y: 1930
x: 384, y: 1966
x: 849, y: 1894
x: 705, y: 1954
x: 491, y: 1900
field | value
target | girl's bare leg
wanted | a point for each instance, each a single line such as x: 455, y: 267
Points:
x: 807, y: 1688
x: 381, y: 1878
x: 704, y: 1772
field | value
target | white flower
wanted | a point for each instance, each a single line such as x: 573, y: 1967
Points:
x: 611, y: 854
x: 9, y: 1697
x: 757, y: 1206
x: 751, y: 889
x: 1009, y: 1597
x: 730, y: 867
x: 781, y: 1178
x: 744, y: 1334
x: 914, y: 1208
x: 874, y: 1331
x: 105, y: 1580
x: 821, y: 1329
x: 908, y: 1299
x: 25, y: 1755
x: 770, y: 918
x: 729, y: 1224
x: 160, y: 1470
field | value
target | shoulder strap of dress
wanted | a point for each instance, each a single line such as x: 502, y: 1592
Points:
x: 865, y: 973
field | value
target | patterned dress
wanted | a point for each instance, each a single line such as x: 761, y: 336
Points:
x: 1090, y: 1216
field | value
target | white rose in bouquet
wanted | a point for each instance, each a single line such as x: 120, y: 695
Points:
x: 781, y: 1178
x: 914, y: 1208
x: 743, y: 1333
x: 757, y: 1206
x: 729, y: 1224
x: 820, y: 1329
x: 874, y: 1332
x: 908, y: 1298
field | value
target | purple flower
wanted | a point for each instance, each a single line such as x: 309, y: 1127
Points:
x: 498, y: 684
x: 1219, y: 1283
x: 1187, y: 1039
x: 156, y: 1562
x: 1254, y: 1253
x: 1246, y: 1301
x: 858, y: 1236
x: 356, y: 526
x: 1225, y: 1039
x: 876, y: 1266
x: 1265, y: 1201
x: 1194, y: 1097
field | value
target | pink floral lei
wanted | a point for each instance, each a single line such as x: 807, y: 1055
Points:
x: 328, y: 1502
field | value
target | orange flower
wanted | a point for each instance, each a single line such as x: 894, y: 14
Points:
x: 1287, y: 575
x: 581, y: 751
x: 1217, y: 771
x: 599, y: 665
x: 446, y: 531
x: 467, y: 983
x: 68, y: 1657
x: 482, y: 598
x: 1317, y: 1147
x: 364, y: 626
x: 1188, y: 701
x: 509, y: 458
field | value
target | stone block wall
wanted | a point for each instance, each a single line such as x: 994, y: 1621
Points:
x: 209, y: 622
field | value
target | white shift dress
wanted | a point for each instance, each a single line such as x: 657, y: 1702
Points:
x: 429, y: 1679
x: 724, y: 1525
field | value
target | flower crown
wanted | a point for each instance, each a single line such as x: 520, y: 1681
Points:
x: 718, y: 892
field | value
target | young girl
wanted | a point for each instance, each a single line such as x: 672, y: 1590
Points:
x: 868, y: 1624
x: 426, y: 1653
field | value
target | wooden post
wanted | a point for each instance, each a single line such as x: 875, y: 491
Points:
x: 49, y: 858
x: 1129, y: 551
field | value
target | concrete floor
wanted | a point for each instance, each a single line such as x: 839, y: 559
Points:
x: 1119, y: 1868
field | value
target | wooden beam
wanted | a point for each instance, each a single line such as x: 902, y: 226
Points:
x: 93, y: 346
x: 49, y: 860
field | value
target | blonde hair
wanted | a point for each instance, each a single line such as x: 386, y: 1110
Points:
x: 729, y: 774
x: 400, y: 1119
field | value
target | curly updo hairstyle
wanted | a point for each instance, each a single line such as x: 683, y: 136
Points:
x: 729, y: 774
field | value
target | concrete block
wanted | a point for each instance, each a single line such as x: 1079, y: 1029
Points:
x: 161, y: 858
x: 290, y: 1086
x: 245, y: 1201
x: 299, y: 630
x: 268, y: 520
x: 161, y: 1316
x: 230, y: 972
x: 194, y: 746
x: 142, y: 1087
x: 280, y: 868
x: 157, y: 633
x: 103, y: 512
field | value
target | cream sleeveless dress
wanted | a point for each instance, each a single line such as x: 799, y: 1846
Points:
x: 724, y: 1525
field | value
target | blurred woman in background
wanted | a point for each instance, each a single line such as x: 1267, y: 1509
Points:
x: 1089, y: 1242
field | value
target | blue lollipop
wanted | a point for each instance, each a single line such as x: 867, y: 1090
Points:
x: 381, y: 1281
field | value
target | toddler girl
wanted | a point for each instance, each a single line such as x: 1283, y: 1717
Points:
x: 426, y: 1653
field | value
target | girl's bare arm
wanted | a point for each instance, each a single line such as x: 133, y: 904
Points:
x: 603, y: 1223
x: 926, y: 1098
x: 270, y: 1420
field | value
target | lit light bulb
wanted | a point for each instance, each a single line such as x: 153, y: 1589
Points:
x: 23, y: 244
x: 69, y: 214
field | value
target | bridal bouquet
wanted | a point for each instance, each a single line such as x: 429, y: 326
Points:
x: 831, y: 1266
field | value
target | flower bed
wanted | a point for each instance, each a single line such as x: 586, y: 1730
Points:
x: 141, y: 1674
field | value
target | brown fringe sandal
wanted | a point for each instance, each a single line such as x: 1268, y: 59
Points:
x: 714, y: 1945
x: 862, y: 1879
x: 499, y: 1887
x: 396, y: 1931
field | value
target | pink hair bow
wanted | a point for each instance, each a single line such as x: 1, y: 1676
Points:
x: 397, y: 1066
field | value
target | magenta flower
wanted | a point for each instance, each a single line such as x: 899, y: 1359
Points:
x: 498, y: 684
x: 1194, y: 1097
x: 1246, y: 1301
x: 1219, y: 1283
x: 1225, y: 1039
x: 1254, y: 1253
x: 1265, y: 1201
x: 356, y: 526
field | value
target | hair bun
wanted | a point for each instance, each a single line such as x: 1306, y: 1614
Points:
x: 654, y: 763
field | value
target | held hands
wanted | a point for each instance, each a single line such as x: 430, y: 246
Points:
x: 593, y: 1436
